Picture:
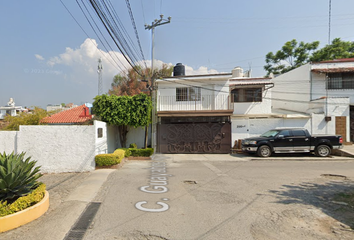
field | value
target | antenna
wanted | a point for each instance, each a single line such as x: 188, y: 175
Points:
x: 99, y: 71
x: 329, y: 22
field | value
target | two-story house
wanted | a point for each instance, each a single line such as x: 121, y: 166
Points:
x: 208, y: 113
x: 325, y: 90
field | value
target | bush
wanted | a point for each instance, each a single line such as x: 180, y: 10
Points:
x: 18, y: 177
x: 23, y: 202
x: 109, y: 159
x: 133, y: 145
x: 127, y: 151
x: 141, y: 152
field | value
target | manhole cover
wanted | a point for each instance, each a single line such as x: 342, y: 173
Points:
x: 334, y: 176
x: 190, y: 182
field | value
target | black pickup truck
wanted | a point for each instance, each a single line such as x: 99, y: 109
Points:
x: 291, y: 140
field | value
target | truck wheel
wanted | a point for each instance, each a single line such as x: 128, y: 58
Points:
x: 323, y: 151
x: 264, y: 151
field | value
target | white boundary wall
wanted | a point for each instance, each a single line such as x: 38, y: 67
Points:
x: 70, y: 148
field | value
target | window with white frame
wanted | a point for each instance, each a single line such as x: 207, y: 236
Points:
x: 340, y: 80
x: 246, y: 95
x: 188, y: 94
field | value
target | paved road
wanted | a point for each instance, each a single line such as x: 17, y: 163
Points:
x: 217, y: 199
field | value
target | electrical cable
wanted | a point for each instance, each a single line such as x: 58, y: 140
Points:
x: 86, y: 33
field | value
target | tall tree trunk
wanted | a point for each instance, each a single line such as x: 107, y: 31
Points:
x: 146, y: 136
x: 123, y: 131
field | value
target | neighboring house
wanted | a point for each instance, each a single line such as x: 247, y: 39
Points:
x: 208, y: 113
x: 325, y: 90
x: 11, y: 109
x: 59, y: 107
x: 76, y: 115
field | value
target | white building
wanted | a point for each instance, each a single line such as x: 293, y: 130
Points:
x: 324, y: 90
x: 208, y: 113
x: 10, y: 109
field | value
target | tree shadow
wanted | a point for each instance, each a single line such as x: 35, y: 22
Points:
x: 322, y: 196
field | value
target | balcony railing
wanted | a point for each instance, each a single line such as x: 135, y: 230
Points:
x: 204, y: 103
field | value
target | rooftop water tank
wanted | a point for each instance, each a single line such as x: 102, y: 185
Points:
x: 237, y: 72
x: 179, y: 70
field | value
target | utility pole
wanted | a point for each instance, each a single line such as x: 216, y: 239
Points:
x: 99, y: 71
x: 155, y: 23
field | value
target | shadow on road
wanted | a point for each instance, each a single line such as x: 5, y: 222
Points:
x: 323, y: 196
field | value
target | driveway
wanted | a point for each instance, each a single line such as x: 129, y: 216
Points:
x: 187, y: 197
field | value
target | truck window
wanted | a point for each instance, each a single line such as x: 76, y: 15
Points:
x: 299, y: 133
x: 285, y: 133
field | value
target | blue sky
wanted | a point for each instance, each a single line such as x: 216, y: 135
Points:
x: 46, y: 58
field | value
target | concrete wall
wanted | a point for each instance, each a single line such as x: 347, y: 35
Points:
x: 292, y: 89
x: 58, y: 148
x: 8, y: 141
x: 244, y: 128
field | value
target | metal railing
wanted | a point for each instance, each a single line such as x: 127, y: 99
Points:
x: 205, y: 102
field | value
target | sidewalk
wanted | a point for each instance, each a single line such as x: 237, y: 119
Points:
x: 69, y: 195
x: 347, y: 151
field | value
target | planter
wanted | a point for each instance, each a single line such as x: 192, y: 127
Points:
x: 25, y: 216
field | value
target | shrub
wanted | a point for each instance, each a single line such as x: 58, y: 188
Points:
x: 109, y: 159
x: 141, y: 152
x: 23, y: 202
x: 133, y: 145
x: 127, y: 151
x: 18, y: 177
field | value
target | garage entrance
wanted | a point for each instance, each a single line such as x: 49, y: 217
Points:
x: 194, y: 135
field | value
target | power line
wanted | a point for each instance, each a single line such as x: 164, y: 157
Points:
x: 86, y: 33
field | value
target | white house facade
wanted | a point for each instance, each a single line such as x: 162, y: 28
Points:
x: 208, y: 113
x: 326, y: 89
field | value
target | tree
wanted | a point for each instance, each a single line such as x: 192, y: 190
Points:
x: 33, y: 118
x: 123, y: 111
x: 336, y: 50
x: 129, y: 83
x: 291, y: 55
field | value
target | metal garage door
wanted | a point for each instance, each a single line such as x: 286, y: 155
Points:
x: 194, y: 138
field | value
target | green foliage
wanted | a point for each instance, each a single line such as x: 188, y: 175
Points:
x: 23, y: 202
x: 18, y: 177
x: 109, y: 159
x: 336, y: 50
x: 291, y: 56
x: 123, y: 111
x: 147, y: 152
x: 129, y: 82
x: 24, y: 118
x: 133, y: 145
x: 127, y: 151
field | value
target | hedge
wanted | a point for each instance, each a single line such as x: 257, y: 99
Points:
x: 141, y: 152
x: 23, y: 202
x: 109, y: 159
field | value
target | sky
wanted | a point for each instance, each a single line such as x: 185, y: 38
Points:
x: 49, y: 53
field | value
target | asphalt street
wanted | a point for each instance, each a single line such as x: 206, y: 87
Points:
x: 173, y: 197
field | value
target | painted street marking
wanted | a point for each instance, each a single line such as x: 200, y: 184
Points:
x: 216, y: 170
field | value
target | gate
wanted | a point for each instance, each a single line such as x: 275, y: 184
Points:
x: 195, y: 138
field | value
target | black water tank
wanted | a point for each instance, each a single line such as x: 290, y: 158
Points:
x: 179, y: 70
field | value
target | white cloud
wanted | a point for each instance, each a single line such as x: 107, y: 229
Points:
x: 82, y: 64
x: 39, y: 57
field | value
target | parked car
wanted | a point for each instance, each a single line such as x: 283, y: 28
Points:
x: 291, y: 140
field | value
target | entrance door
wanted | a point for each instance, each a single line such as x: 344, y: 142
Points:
x: 341, y: 127
x: 195, y: 138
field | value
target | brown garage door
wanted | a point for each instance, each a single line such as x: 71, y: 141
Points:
x: 194, y: 138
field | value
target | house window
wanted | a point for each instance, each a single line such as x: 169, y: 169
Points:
x: 188, y: 94
x: 341, y: 81
x: 246, y: 95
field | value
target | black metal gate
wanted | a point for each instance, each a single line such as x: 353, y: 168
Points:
x: 194, y: 138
